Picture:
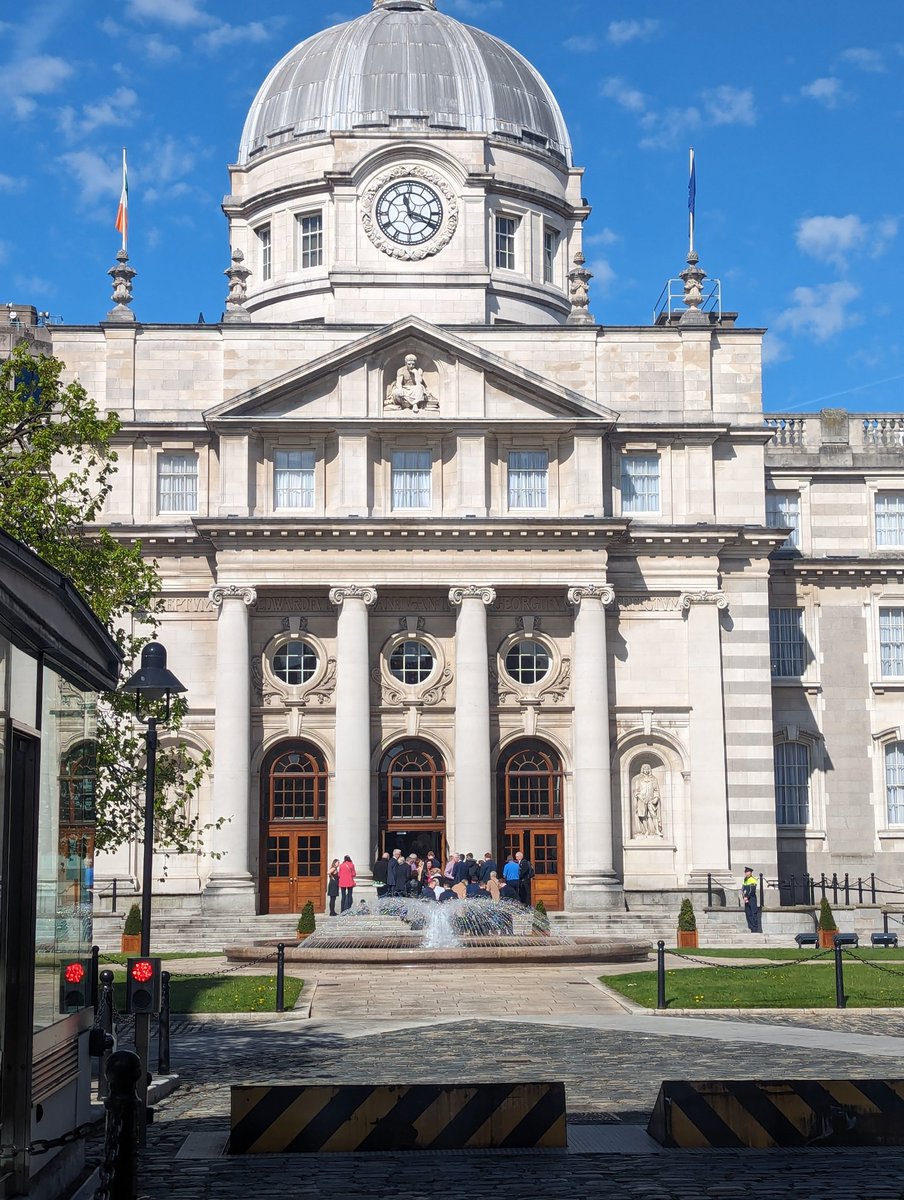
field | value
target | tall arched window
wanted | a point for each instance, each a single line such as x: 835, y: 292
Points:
x: 532, y: 781
x: 894, y: 783
x: 412, y: 783
x: 792, y: 783
x: 297, y: 785
x: 78, y: 785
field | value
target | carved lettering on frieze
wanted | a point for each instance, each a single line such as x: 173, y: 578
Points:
x: 531, y: 604
x: 411, y: 604
x: 625, y: 602
x: 294, y: 604
x: 186, y: 604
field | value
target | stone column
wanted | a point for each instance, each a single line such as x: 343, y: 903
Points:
x: 231, y: 884
x: 350, y: 801
x: 709, y: 842
x: 472, y: 826
x: 591, y: 880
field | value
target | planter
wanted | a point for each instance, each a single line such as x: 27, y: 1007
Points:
x: 131, y: 943
x: 687, y: 939
x: 827, y: 939
x: 300, y: 937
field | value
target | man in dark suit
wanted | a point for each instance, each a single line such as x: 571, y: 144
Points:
x: 381, y: 874
x: 487, y: 867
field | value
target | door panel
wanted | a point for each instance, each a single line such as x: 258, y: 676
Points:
x: 295, y: 868
x: 543, y: 847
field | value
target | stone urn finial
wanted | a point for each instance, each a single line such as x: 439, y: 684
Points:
x: 693, y: 276
x: 237, y: 274
x: 579, y: 292
x: 122, y: 275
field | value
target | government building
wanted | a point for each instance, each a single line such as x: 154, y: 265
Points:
x: 448, y: 564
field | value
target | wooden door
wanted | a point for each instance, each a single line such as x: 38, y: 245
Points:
x: 543, y: 848
x: 530, y: 785
x: 295, y: 867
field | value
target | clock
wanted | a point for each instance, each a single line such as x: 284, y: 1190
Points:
x: 409, y: 212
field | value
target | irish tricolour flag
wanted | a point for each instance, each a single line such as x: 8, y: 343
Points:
x: 122, y: 215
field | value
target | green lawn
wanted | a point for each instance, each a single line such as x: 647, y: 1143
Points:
x: 165, y: 955
x: 783, y: 987
x: 781, y: 953
x: 222, y: 994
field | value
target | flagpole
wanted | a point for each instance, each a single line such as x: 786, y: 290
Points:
x: 691, y: 200
x: 125, y: 224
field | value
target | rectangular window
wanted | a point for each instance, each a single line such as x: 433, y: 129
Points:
x: 528, y: 473
x: 264, y: 257
x: 783, y: 510
x: 890, y: 519
x: 640, y: 483
x: 792, y: 783
x: 177, y: 483
x: 550, y: 245
x: 894, y: 782
x: 411, y: 478
x: 293, y: 479
x: 787, y: 644
x: 506, y: 229
x: 310, y: 241
x: 891, y: 641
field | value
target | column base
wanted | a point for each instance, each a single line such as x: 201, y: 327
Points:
x: 235, y: 894
x: 594, y: 891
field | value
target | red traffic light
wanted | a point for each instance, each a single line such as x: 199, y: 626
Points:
x: 74, y: 972
x: 142, y: 971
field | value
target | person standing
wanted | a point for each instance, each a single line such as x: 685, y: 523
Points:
x: 487, y: 867
x: 525, y: 875
x: 511, y: 873
x: 381, y: 874
x: 346, y: 882
x: 332, y: 885
x: 751, y: 900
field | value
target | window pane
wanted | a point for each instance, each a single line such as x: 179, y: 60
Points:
x: 783, y: 509
x: 295, y: 663
x: 527, y: 662
x: 640, y: 483
x: 505, y: 242
x: 310, y: 229
x: 411, y: 478
x: 528, y: 472
x: 550, y: 244
x: 890, y: 519
x: 264, y: 258
x: 792, y: 783
x: 787, y: 644
x: 293, y: 479
x: 177, y: 483
x: 894, y: 782
x: 891, y: 640
x: 412, y: 662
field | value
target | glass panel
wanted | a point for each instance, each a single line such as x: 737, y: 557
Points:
x: 295, y: 663
x: 640, y: 483
x: 265, y: 260
x: 528, y: 662
x: 783, y: 509
x: 891, y: 641
x: 894, y: 782
x: 890, y: 519
x: 792, y: 783
x: 311, y: 244
x: 505, y: 242
x: 411, y: 478
x: 278, y: 857
x: 309, y: 856
x: 412, y: 662
x: 546, y: 853
x: 177, y: 483
x: 787, y: 644
x: 293, y: 479
x: 550, y: 242
x: 528, y: 473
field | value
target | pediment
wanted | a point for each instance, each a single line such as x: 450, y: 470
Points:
x: 409, y: 371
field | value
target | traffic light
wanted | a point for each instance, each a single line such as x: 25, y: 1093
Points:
x: 143, y: 985
x: 75, y: 985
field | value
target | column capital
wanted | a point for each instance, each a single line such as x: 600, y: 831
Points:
x: 472, y: 592
x: 591, y: 591
x: 338, y: 595
x: 703, y: 597
x: 233, y: 591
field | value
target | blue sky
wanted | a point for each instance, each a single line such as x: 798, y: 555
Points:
x: 796, y: 111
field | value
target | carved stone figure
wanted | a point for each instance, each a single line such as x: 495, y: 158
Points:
x: 647, y: 801
x: 409, y: 390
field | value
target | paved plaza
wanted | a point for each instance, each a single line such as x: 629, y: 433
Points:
x: 502, y: 1023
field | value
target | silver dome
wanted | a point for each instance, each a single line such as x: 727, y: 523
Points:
x: 404, y: 59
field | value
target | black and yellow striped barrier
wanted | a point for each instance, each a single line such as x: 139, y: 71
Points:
x: 760, y: 1115
x: 287, y: 1118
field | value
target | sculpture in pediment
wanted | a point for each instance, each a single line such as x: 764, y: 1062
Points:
x: 409, y: 391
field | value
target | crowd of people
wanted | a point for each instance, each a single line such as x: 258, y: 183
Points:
x: 461, y: 876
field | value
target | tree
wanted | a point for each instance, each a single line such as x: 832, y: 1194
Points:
x: 57, y: 463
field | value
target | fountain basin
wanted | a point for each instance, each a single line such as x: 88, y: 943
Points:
x: 527, y: 952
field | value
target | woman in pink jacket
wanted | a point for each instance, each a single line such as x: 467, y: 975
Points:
x: 346, y: 882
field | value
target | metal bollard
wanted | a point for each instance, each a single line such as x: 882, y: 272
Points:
x: 840, y: 998
x: 119, y: 1170
x: 885, y: 922
x: 95, y: 986
x: 872, y: 885
x: 859, y: 890
x: 709, y: 890
x: 105, y: 1021
x: 834, y: 887
x: 822, y: 884
x: 660, y: 975
x: 847, y: 888
x: 163, y: 1026
x: 762, y: 894
x: 113, y: 906
x: 281, y: 977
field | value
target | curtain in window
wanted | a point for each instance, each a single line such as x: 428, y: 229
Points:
x: 411, y: 470
x: 792, y: 783
x: 890, y: 519
x: 640, y: 483
x: 783, y: 509
x: 891, y: 640
x: 894, y: 782
x: 528, y: 471
x: 786, y: 642
x: 177, y: 483
x: 293, y: 477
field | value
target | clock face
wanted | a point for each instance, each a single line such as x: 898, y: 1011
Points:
x: 409, y: 212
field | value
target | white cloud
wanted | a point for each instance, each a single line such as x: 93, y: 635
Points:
x: 820, y: 312
x: 604, y: 277
x: 9, y: 183
x: 182, y: 13
x: 827, y: 91
x: 40, y: 75
x: 230, y: 35
x: 120, y: 108
x: 473, y: 8
x: 775, y: 349
x: 617, y: 89
x: 581, y: 45
x: 835, y: 239
x: 727, y: 105
x: 866, y: 60
x: 665, y: 130
x: 622, y: 32
x: 157, y: 50
x: 97, y: 178
x: 34, y: 285
x: 602, y: 237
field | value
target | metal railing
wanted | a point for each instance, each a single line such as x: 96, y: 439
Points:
x: 670, y: 302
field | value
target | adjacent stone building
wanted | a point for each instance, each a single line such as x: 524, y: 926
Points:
x: 450, y: 565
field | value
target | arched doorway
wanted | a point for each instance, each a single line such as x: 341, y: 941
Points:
x: 78, y: 817
x: 530, y: 786
x: 293, y: 835
x: 413, y: 799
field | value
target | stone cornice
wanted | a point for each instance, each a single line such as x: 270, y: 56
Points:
x: 339, y: 595
x: 472, y: 591
x: 591, y: 591
x: 233, y: 591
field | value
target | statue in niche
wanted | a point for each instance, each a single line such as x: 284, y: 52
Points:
x: 409, y: 391
x: 646, y: 799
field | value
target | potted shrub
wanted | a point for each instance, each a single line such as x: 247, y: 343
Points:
x: 131, y: 931
x: 306, y: 922
x: 540, y: 922
x: 827, y: 926
x: 687, y: 925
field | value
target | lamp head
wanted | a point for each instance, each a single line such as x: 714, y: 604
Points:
x: 152, y: 681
